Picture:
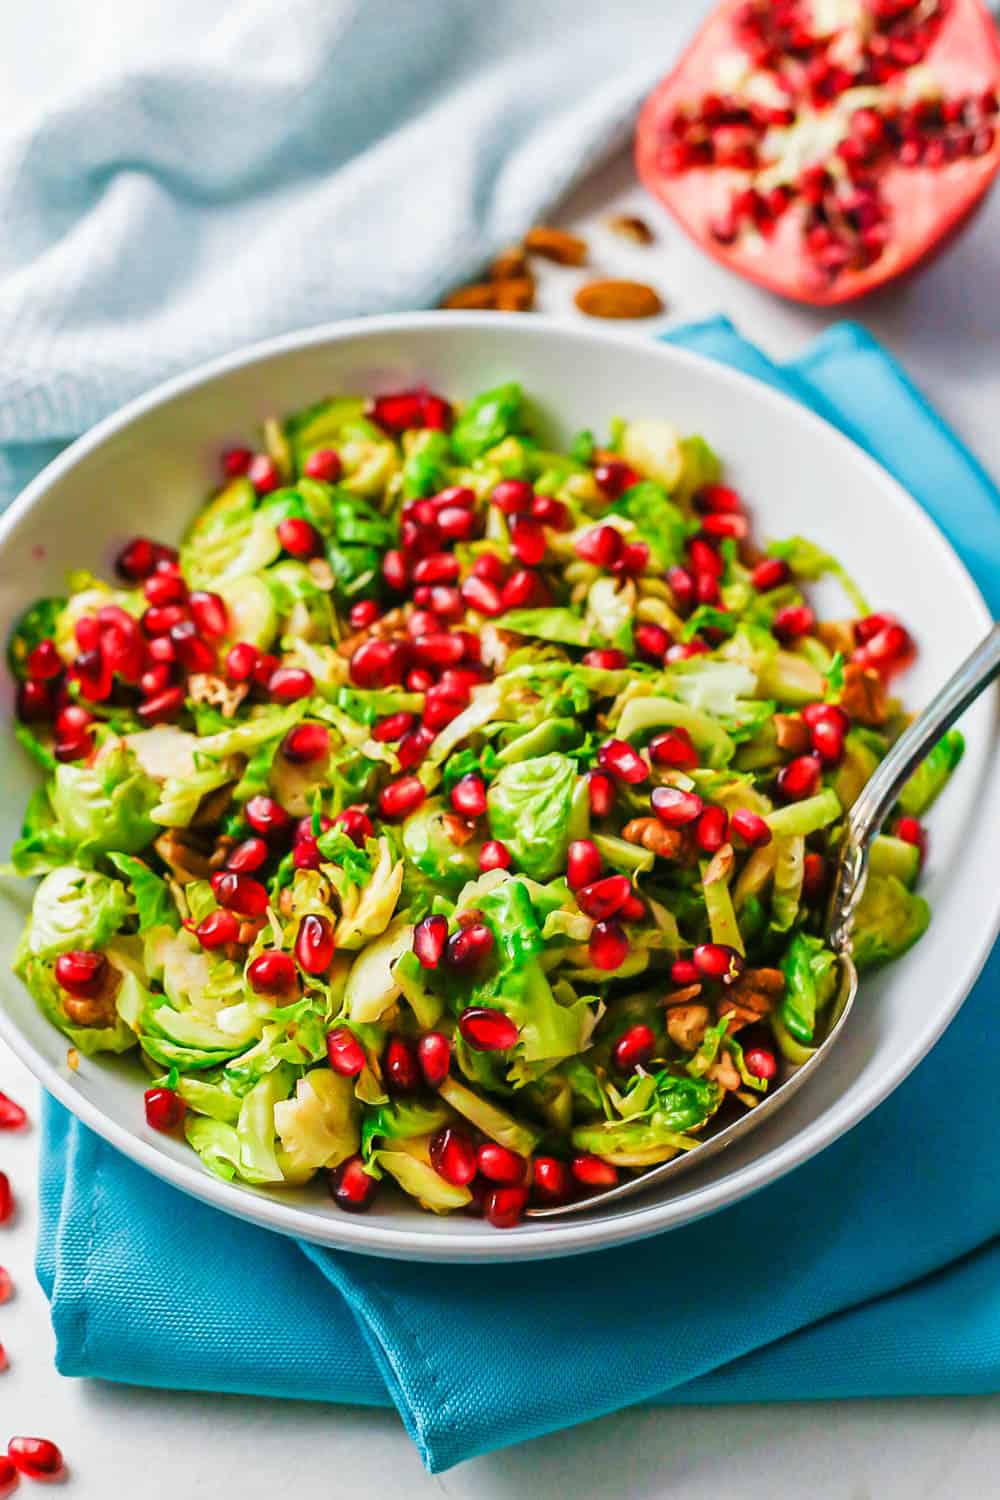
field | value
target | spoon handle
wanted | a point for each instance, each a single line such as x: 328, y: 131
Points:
x: 882, y: 790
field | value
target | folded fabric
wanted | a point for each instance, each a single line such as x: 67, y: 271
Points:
x: 180, y: 180
x: 854, y: 1275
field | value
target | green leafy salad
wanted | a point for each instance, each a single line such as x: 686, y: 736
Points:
x: 452, y: 810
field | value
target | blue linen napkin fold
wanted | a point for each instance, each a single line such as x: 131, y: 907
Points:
x: 855, y: 1275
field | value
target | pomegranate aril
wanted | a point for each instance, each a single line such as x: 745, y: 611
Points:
x: 583, y: 864
x: 240, y: 893
x: 12, y: 1117
x: 706, y: 588
x: 514, y: 497
x: 750, y: 827
x: 379, y: 663
x: 551, y: 512
x: 434, y: 1057
x: 314, y: 944
x: 153, y: 681
x: 527, y: 537
x: 633, y: 1048
x: 494, y: 856
x: 446, y: 602
x: 247, y: 856
x: 550, y: 1179
x: 165, y: 588
x: 682, y: 586
x: 722, y: 526
x: 676, y: 808
x: 393, y: 727
x: 209, y: 613
x: 711, y: 829
x: 81, y: 973
x: 717, y: 961
x: 760, y: 1062
x: 217, y: 930
x: 613, y: 478
x: 800, y: 778
x: 704, y: 558
x: 618, y: 757
x: 414, y: 746
x: 524, y: 590
x: 683, y: 971
x: 429, y: 938
x: 288, y: 684
x: 606, y: 659
x: 486, y: 1029
x: 490, y: 568
x: 483, y: 595
x: 194, y: 654
x: 241, y: 661
x: 299, y: 537
x: 87, y: 633
x: 164, y: 1108
x: 813, y: 876
x: 439, y: 649
x: 162, y: 708
x: 828, y: 741
x: 344, y: 1052
x: 601, y: 545
x: 651, y: 641
x: 499, y: 1164
x: 34, y: 701
x: 6, y: 1199
x: 400, y: 1066
x: 453, y: 1156
x: 673, y: 748
x: 93, y: 675
x: 792, y: 621
x: 600, y: 793
x: 769, y: 574
x: 505, y: 1205
x: 608, y: 945
x: 468, y: 948
x: 136, y: 559
x: 266, y: 816
x: 306, y: 744
x: 603, y: 898
x: 395, y: 570
x: 401, y: 798
x: 592, y: 1172
x: 468, y: 796
x: 351, y: 1188
x: 441, y: 706
x: 37, y: 1458
x: 439, y: 567
x: 263, y: 474
x: 717, y: 499
x: 44, y: 661
x: 323, y: 463
x: 362, y: 614
x: 272, y: 973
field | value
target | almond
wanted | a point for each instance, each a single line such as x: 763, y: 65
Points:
x: 517, y: 294
x: 618, y: 299
x: 630, y: 227
x: 510, y: 265
x: 556, y: 244
x: 478, y: 294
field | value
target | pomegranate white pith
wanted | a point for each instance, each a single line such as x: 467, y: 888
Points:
x: 823, y: 149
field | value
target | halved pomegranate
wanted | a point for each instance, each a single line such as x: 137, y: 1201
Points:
x: 822, y: 150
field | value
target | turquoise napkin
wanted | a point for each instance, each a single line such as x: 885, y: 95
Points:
x: 856, y: 1275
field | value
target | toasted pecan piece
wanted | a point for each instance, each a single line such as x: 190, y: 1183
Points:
x: 686, y: 1025
x: 723, y: 1072
x: 837, y: 635
x: 792, y: 734
x: 650, y: 834
x: 863, y: 695
x: 767, y: 981
x: 556, y: 244
x: 95, y: 1010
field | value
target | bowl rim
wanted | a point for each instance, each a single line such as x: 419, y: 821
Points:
x: 549, y: 1239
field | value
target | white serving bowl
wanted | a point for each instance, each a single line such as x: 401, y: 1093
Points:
x: 148, y: 468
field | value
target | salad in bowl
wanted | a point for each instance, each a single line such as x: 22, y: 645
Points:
x: 453, y: 812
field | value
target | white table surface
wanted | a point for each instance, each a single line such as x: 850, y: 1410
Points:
x: 123, y: 1441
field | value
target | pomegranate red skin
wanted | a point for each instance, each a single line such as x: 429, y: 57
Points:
x: 928, y: 206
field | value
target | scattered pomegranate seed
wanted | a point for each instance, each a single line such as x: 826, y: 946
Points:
x: 684, y: 650
x: 800, y: 778
x: 551, y: 1180
x: 494, y: 856
x: 469, y: 947
x: 12, y: 1117
x: 673, y: 748
x: 706, y: 588
x: 272, y: 973
x: 676, y: 808
x: 760, y: 1062
x: 912, y: 831
x: 306, y: 743
x: 527, y: 537
x: 791, y: 622
x: 717, y: 499
x: 235, y: 462
x: 37, y: 1458
x: 704, y: 558
x: 613, y: 478
x: 633, y: 1049
x: 583, y: 864
x: 266, y: 665
x: 400, y: 1066
x: 306, y: 855
x: 362, y: 614
x: 299, y: 537
x: 813, y: 876
x: 498, y: 1164
x: 379, y: 663
x: 323, y: 463
x: 633, y: 910
x: 434, y: 1057
x: 81, y: 973
x: 453, y: 1156
x: 429, y: 939
x: 711, y: 829
x: 263, y: 474
x: 750, y: 827
x: 351, y: 1188
x: 490, y: 568
x: 163, y: 708
x: 136, y: 560
x: 414, y: 746
x: 608, y: 946
x: 604, y: 898
x: 600, y: 793
x: 247, y: 856
x: 393, y: 727
x: 618, y: 757
x: 44, y: 661
x: 682, y: 586
x: 828, y: 713
x: 651, y: 641
x: 240, y: 893
x: 6, y: 1199
x: 601, y: 545
x: 401, y: 798
x: 486, y: 1029
x: 345, y: 1052
x: 241, y: 661
x: 684, y: 972
x: 395, y: 570
x: 314, y: 944
x: 505, y: 1205
x: 93, y: 675
x: 551, y: 512
x: 217, y: 930
x: 34, y: 701
x: 606, y: 659
x: 769, y: 574
x: 6, y: 1285
x: 165, y: 588
x: 164, y: 1109
x: 356, y: 824
x: 482, y: 595
x: 593, y: 1172
x: 717, y: 961
x: 872, y: 625
x: 266, y: 816
x: 288, y: 684
x: 524, y: 590
x: 514, y: 497
x: 828, y: 741
x: 468, y: 796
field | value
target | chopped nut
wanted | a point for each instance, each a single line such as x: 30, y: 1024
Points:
x: 836, y: 635
x: 391, y: 623
x: 631, y: 227
x: 496, y: 645
x: 650, y: 834
x: 556, y: 244
x: 95, y: 1010
x: 686, y: 1025
x: 510, y: 265
x: 184, y: 862
x: 768, y: 981
x: 863, y: 696
x: 515, y: 295
x: 205, y: 687
x: 249, y: 929
x: 723, y: 1072
x: 285, y: 901
x: 720, y: 866
x: 459, y: 830
x: 220, y: 853
x: 72, y: 1059
x: 478, y: 294
x: 683, y: 995
x: 213, y: 806
x: 618, y: 299
x: 320, y: 572
x: 741, y: 1015
x: 792, y: 734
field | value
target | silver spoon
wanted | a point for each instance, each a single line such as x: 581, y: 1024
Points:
x: 864, y: 821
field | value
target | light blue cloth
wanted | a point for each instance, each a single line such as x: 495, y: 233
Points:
x: 868, y: 1271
